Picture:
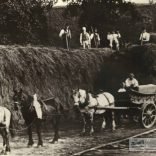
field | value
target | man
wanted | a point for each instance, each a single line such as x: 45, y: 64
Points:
x: 122, y: 88
x: 95, y: 38
x: 115, y: 40
x: 131, y: 82
x: 85, y: 38
x: 119, y: 38
x: 65, y: 35
x: 110, y: 39
x: 144, y: 37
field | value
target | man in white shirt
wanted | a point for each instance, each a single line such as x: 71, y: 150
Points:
x: 144, y: 37
x: 131, y: 82
x: 65, y: 35
x: 115, y: 39
x: 85, y: 38
x: 110, y: 39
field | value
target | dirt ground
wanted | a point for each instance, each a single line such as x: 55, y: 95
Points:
x: 70, y: 141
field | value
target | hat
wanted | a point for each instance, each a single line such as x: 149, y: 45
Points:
x: 132, y: 75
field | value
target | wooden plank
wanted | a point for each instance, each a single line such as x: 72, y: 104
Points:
x: 116, y: 108
x: 114, y: 142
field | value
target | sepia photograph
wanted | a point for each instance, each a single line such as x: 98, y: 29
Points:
x: 78, y: 77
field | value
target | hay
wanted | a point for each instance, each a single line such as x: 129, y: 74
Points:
x: 153, y: 37
x: 48, y: 71
x: 52, y: 72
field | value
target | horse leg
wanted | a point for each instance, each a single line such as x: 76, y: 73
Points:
x: 7, y: 140
x: 103, y: 123
x: 30, y: 142
x: 84, y: 124
x: 4, y: 141
x: 113, y: 120
x: 91, y: 123
x: 56, y: 124
x: 38, y: 129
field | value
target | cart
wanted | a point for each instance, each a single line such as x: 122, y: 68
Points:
x: 141, y: 103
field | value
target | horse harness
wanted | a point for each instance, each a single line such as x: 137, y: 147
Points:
x: 107, y: 98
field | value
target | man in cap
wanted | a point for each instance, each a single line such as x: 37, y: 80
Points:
x: 131, y: 82
x: 85, y: 38
x: 65, y: 35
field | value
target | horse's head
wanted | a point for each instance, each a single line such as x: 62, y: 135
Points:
x: 17, y: 98
x: 21, y: 99
x: 80, y: 97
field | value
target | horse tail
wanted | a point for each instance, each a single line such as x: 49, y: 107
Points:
x: 11, y: 127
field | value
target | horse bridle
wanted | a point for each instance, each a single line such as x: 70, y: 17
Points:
x: 79, y: 102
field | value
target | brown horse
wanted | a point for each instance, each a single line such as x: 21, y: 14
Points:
x: 6, y: 125
x: 53, y: 110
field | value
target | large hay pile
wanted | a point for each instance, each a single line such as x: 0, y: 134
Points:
x: 48, y: 71
x: 54, y: 72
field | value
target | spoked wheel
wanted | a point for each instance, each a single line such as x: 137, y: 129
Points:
x: 148, y: 115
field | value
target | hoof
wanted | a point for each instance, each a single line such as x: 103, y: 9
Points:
x: 53, y: 141
x: 91, y: 134
x: 30, y: 145
x: 3, y: 152
x: 39, y: 146
x: 113, y: 129
x: 83, y: 134
x: 7, y: 153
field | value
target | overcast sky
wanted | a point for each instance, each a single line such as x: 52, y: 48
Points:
x: 60, y: 3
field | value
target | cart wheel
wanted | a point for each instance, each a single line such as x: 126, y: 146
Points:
x: 148, y: 115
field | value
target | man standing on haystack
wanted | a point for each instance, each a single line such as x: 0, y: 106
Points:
x: 65, y: 35
x: 144, y: 37
x: 85, y: 38
x: 96, y: 38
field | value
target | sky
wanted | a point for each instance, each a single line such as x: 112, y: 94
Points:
x: 60, y: 3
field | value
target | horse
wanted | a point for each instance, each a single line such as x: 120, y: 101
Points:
x: 51, y: 109
x: 90, y: 105
x: 6, y: 126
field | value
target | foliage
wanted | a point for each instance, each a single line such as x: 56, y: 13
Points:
x: 106, y: 15
x: 23, y: 21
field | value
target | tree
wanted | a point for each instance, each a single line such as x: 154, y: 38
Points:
x: 106, y: 15
x: 23, y: 21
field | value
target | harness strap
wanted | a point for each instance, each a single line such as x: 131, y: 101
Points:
x: 106, y: 98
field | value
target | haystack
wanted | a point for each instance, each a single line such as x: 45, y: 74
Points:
x: 52, y: 72
x: 48, y: 71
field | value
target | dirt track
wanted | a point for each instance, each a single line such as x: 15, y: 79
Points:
x: 70, y: 142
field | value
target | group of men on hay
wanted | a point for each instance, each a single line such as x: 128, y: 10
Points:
x: 90, y: 39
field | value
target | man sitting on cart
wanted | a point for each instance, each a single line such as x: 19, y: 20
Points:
x: 131, y: 82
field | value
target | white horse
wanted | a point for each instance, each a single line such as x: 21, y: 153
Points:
x: 6, y: 124
x: 89, y: 105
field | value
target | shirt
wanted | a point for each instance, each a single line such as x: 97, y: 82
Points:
x: 65, y: 32
x: 115, y: 37
x: 145, y: 36
x: 84, y: 37
x: 132, y: 82
x: 110, y: 37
